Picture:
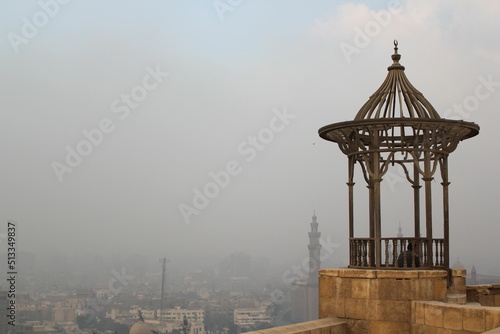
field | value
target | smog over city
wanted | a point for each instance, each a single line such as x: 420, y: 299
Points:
x: 134, y: 131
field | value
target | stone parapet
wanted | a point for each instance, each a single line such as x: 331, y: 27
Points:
x: 438, y: 317
x: 321, y: 326
x: 457, y: 289
x: 484, y: 294
x: 377, y: 300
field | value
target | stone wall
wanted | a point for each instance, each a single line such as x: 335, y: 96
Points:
x: 377, y: 301
x: 485, y: 294
x: 438, y: 317
x: 359, y: 301
x: 322, y: 326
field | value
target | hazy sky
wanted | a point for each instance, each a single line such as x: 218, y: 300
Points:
x: 116, y: 115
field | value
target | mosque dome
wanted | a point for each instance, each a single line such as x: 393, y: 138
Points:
x: 140, y: 327
x: 458, y: 265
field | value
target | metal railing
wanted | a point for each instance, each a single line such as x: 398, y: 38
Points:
x: 397, y: 253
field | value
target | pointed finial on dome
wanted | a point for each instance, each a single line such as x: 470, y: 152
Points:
x: 395, y: 58
x: 314, y: 216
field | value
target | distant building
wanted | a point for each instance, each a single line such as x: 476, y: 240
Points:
x: 235, y: 272
x: 149, y: 314
x: 26, y: 329
x: 63, y: 314
x: 305, y: 291
x: 250, y: 317
x: 177, y: 315
x: 222, y: 308
x: 237, y: 265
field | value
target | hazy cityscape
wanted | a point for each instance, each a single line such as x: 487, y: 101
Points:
x: 161, y: 159
x: 68, y: 293
x: 84, y: 292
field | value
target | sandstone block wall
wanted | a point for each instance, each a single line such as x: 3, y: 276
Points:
x: 377, y: 301
x: 485, y: 294
x: 438, y: 317
x: 321, y: 326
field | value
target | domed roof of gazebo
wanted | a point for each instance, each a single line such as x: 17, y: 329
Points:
x: 403, y: 113
x: 397, y: 97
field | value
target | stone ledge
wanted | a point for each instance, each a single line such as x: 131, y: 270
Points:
x: 458, y: 272
x: 331, y: 325
x: 398, y: 274
x: 493, y: 331
x: 432, y: 273
x: 382, y: 273
x: 357, y: 273
x: 470, y: 317
x: 329, y: 272
x: 480, y: 287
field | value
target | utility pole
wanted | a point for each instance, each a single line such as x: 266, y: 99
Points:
x: 164, y: 267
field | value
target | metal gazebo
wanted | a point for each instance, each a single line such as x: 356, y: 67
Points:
x: 398, y: 126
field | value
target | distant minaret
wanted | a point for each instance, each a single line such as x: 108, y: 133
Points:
x: 305, y: 294
x: 314, y: 252
x: 399, y: 245
x: 473, y: 276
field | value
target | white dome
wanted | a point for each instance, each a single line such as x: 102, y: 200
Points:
x: 140, y: 327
